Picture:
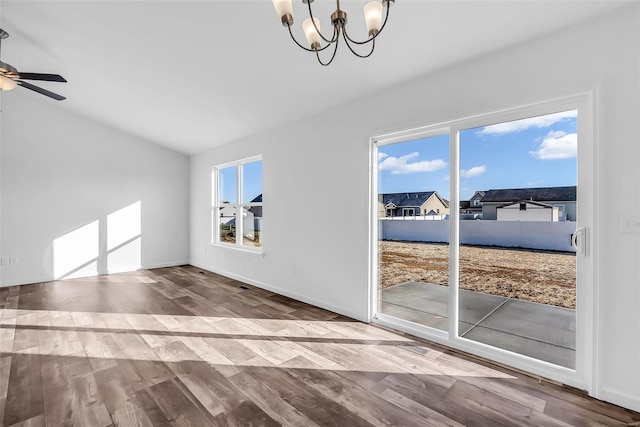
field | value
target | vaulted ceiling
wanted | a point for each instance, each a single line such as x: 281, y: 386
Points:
x: 191, y: 75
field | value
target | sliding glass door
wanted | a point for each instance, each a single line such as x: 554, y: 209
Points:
x: 517, y: 266
x: 481, y: 236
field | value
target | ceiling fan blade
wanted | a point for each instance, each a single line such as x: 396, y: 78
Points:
x: 40, y: 90
x: 41, y: 76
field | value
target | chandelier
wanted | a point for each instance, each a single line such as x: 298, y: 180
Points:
x: 315, y: 38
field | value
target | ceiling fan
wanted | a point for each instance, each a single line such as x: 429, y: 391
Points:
x: 10, y: 77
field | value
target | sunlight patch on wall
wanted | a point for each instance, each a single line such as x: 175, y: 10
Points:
x: 75, y: 254
x: 124, y: 235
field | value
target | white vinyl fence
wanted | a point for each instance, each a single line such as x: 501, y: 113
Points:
x: 555, y: 236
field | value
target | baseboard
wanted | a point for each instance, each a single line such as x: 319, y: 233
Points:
x: 164, y: 265
x: 320, y: 304
x: 621, y: 399
x: 31, y: 281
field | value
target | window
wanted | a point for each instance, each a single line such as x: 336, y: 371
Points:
x: 237, y: 204
x: 523, y: 206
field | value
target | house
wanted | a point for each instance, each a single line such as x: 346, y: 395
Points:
x: 256, y: 210
x: 472, y: 208
x: 475, y: 201
x: 562, y: 198
x: 423, y: 203
x: 251, y: 217
x: 526, y: 210
x: 118, y: 178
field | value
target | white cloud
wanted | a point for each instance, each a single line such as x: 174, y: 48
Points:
x: 534, y: 183
x: 533, y: 122
x: 474, y: 171
x: 557, y: 145
x: 401, y: 165
x: 382, y: 155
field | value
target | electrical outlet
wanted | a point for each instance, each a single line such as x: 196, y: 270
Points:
x: 629, y: 224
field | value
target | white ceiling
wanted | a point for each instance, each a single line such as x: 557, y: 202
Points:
x: 191, y: 75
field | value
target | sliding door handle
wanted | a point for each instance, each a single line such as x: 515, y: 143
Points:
x: 579, y: 240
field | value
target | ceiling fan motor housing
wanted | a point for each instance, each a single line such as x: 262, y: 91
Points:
x: 10, y: 77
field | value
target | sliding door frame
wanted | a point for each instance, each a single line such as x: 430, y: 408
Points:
x: 584, y: 375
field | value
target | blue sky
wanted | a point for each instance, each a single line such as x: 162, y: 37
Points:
x: 534, y: 152
x: 252, y: 182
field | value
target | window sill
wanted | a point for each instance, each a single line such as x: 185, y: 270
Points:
x: 234, y: 248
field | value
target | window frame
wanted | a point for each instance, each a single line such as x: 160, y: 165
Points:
x: 216, y: 205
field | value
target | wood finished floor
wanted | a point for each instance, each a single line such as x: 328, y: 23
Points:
x: 183, y: 347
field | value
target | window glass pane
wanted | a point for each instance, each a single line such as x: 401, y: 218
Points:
x: 413, y: 221
x: 252, y: 226
x: 252, y: 182
x: 228, y: 185
x: 517, y: 275
x: 227, y: 224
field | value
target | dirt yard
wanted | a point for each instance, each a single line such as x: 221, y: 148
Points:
x: 538, y: 276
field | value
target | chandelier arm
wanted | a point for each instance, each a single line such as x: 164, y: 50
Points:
x: 305, y: 48
x: 373, y: 46
x: 337, y: 37
x: 313, y: 21
x: 386, y: 17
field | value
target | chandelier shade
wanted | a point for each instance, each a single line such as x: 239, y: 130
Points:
x: 373, y: 16
x: 311, y: 27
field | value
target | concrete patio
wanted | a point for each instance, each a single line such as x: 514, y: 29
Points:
x: 541, y: 331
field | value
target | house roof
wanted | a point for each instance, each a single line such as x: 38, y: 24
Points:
x: 529, y: 202
x: 258, y: 199
x: 408, y: 199
x: 477, y: 194
x: 544, y: 194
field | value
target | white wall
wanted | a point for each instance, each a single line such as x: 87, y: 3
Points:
x: 325, y: 159
x: 65, y: 182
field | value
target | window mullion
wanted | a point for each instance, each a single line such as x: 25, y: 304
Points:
x: 215, y: 220
x: 454, y: 232
x: 215, y: 211
x: 239, y: 217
